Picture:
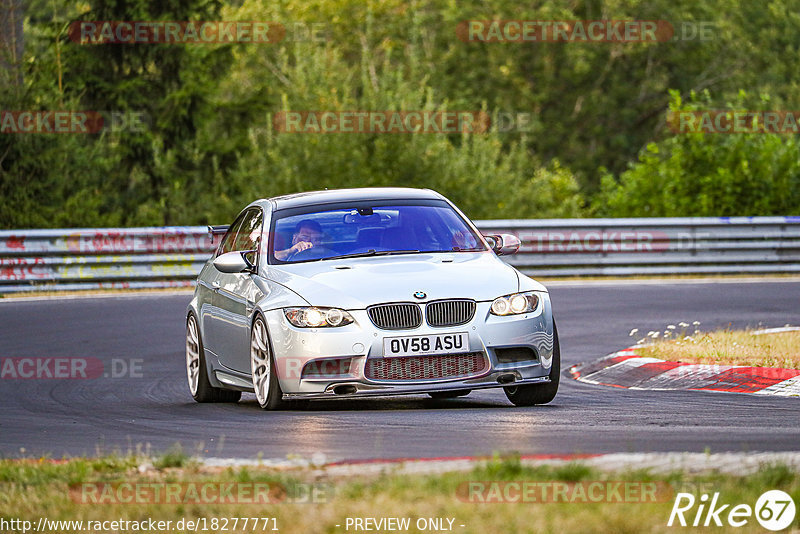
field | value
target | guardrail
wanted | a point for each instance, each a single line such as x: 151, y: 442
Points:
x: 109, y: 258
x: 32, y: 260
x: 654, y: 246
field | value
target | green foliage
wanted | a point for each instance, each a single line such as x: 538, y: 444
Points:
x: 209, y: 146
x: 44, y: 472
x: 502, y: 467
x: 115, y: 177
x: 317, y: 502
x: 708, y: 174
x: 174, y: 457
x: 479, y: 172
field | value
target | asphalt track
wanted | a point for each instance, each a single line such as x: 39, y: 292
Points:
x: 154, y: 411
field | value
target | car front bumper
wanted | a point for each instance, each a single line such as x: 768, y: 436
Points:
x: 361, y: 341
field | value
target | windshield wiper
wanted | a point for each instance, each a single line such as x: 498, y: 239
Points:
x: 473, y: 249
x: 372, y: 252
x: 393, y: 252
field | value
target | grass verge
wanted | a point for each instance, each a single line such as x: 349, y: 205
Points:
x: 314, y: 502
x: 727, y: 347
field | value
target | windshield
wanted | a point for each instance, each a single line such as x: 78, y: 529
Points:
x: 364, y: 229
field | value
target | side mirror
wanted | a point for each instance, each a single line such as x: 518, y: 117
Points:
x: 503, y: 244
x: 234, y: 262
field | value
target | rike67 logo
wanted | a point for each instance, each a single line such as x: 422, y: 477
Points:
x: 774, y: 510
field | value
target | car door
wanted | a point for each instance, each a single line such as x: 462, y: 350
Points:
x: 210, y: 282
x: 235, y: 297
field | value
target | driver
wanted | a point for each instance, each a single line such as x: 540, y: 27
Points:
x: 307, y: 234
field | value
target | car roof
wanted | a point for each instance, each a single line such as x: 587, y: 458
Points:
x: 330, y: 196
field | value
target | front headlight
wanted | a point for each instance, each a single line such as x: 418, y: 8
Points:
x: 314, y: 317
x: 515, y: 304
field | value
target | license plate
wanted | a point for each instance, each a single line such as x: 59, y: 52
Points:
x: 431, y: 344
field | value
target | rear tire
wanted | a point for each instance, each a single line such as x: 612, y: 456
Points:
x: 539, y: 393
x: 452, y: 394
x: 197, y: 372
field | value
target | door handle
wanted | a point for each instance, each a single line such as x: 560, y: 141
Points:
x: 215, y: 286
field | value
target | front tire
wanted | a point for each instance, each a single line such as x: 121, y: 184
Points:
x: 196, y: 371
x: 262, y: 368
x: 539, y: 393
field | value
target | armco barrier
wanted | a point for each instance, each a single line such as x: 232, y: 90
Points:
x: 102, y: 258
x: 654, y: 246
x: 33, y: 260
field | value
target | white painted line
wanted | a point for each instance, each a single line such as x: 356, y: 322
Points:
x: 787, y: 388
x: 632, y: 362
x: 779, y: 330
x: 682, y: 374
x: 660, y: 462
x: 732, y: 463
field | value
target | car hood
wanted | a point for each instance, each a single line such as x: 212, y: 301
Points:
x: 356, y: 283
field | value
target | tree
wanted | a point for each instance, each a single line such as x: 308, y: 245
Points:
x: 708, y: 174
x: 12, y: 39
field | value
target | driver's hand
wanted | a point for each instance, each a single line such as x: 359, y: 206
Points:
x: 300, y: 246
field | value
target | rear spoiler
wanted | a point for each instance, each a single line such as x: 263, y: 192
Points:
x: 216, y: 230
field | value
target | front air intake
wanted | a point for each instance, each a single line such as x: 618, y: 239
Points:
x: 452, y: 312
x: 515, y: 354
x: 396, y: 316
x: 437, y: 366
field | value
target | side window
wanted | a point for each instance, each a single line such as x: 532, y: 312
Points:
x: 228, y: 240
x: 249, y: 233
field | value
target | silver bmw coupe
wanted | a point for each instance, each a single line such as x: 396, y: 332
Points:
x: 366, y: 292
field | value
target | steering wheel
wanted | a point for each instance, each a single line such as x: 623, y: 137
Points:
x: 313, y: 253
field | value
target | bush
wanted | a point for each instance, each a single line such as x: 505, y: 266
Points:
x: 702, y: 174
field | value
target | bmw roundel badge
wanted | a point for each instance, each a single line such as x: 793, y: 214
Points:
x: 420, y: 294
